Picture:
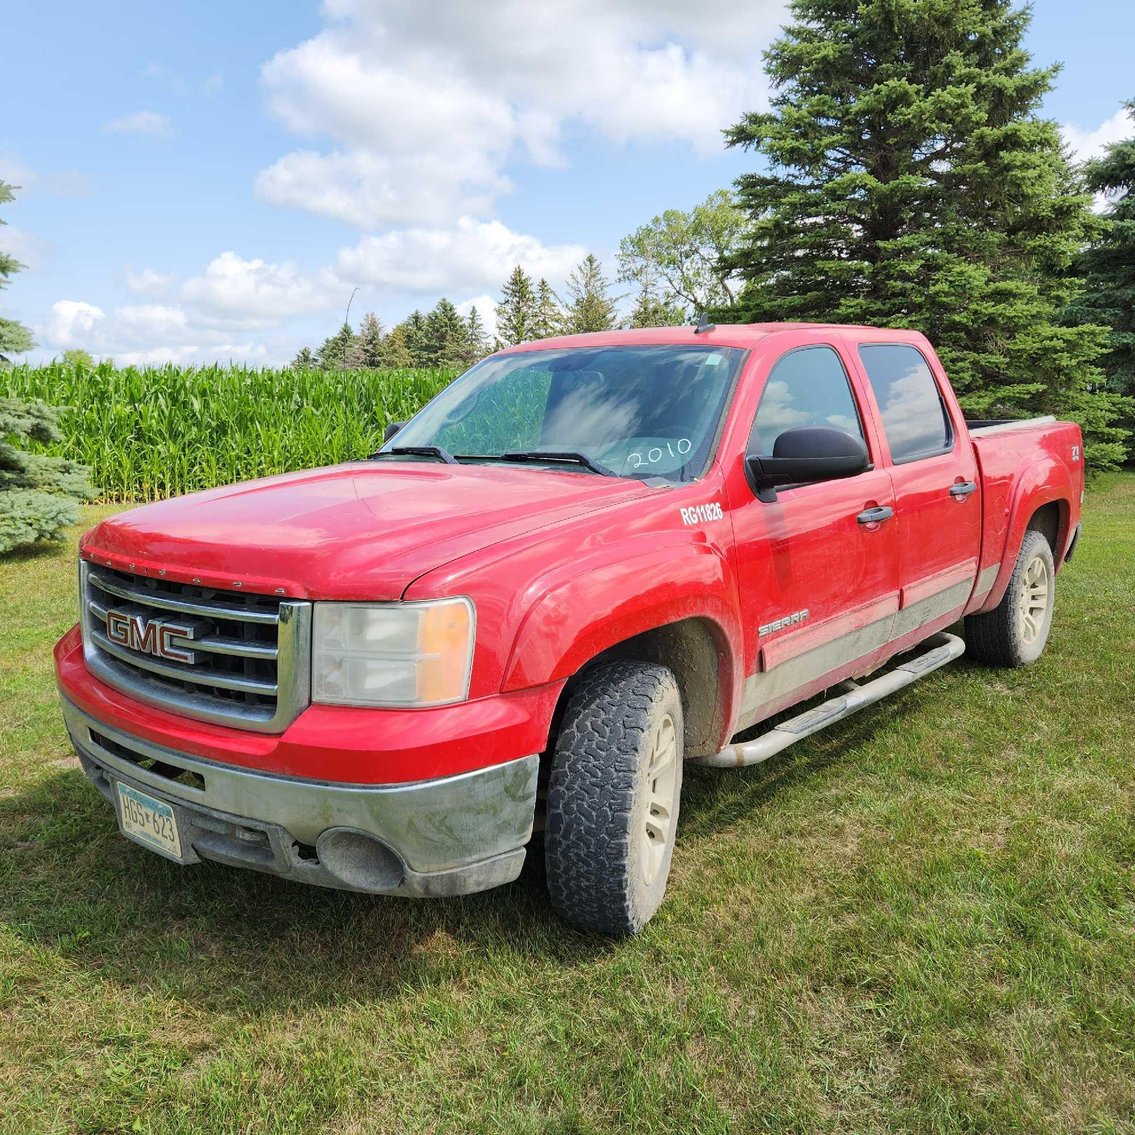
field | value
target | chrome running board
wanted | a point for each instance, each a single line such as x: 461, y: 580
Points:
x: 944, y: 648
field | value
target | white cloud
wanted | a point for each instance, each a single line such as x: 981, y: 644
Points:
x: 1088, y: 144
x: 427, y: 105
x: 473, y: 256
x: 14, y: 171
x: 243, y: 293
x: 369, y: 190
x: 71, y: 324
x: 148, y: 282
x: 27, y: 248
x: 146, y: 122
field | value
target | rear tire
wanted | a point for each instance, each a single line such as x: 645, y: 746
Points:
x: 613, y: 797
x: 1015, y: 632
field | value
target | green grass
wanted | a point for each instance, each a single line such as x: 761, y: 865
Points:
x: 154, y: 432
x: 922, y: 920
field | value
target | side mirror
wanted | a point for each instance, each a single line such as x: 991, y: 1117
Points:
x: 391, y: 429
x: 811, y: 453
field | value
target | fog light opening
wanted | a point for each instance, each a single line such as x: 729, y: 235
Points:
x: 359, y: 860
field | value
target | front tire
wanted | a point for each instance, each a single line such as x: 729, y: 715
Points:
x: 1015, y: 632
x: 613, y: 797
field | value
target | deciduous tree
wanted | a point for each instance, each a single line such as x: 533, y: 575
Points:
x: 682, y: 258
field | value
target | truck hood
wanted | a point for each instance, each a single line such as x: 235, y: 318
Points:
x: 357, y: 531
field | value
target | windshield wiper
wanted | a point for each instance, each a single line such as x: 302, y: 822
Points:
x: 435, y: 451
x: 558, y: 455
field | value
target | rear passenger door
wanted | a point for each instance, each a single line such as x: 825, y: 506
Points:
x: 934, y: 473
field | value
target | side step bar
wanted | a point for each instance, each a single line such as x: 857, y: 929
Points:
x: 944, y: 648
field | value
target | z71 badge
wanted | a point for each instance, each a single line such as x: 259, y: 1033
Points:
x: 700, y: 513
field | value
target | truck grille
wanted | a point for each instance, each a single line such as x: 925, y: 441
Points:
x: 224, y: 656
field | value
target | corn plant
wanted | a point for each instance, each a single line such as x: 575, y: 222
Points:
x: 160, y: 431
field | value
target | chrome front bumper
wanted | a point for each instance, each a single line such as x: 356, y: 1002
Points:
x: 432, y: 838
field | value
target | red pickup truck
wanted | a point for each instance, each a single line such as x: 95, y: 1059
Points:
x: 585, y: 562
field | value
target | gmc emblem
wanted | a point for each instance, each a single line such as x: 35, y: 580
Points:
x: 151, y: 636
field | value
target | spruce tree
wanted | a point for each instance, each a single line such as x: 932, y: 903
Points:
x: 516, y: 313
x: 39, y: 495
x: 365, y: 352
x: 334, y: 350
x: 15, y: 338
x: 304, y: 360
x: 447, y: 336
x: 590, y: 308
x: 549, y: 317
x: 395, y: 351
x: 912, y: 183
x: 650, y: 310
x: 417, y: 339
x: 477, y: 337
x: 1108, y: 268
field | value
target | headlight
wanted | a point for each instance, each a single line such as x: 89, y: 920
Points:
x: 392, y: 654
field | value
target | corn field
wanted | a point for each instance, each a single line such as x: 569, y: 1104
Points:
x: 157, y: 432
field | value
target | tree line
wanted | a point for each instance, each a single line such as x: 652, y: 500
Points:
x: 909, y: 179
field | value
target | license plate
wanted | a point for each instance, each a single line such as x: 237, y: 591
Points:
x: 151, y: 822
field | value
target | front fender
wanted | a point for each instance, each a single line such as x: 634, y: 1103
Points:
x: 585, y: 610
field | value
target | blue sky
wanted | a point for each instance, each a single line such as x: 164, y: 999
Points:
x: 211, y: 181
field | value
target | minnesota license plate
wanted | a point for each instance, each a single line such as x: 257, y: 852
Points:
x: 151, y: 822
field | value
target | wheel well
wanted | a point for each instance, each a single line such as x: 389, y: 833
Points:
x: 690, y: 648
x: 1048, y: 520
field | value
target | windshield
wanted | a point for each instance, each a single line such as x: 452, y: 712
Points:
x: 635, y: 411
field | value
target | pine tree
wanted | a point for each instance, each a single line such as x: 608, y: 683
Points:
x: 549, y: 314
x: 15, y: 338
x: 590, y: 308
x: 476, y: 336
x: 1108, y: 268
x: 304, y: 360
x: 333, y: 353
x: 365, y: 352
x: 395, y: 352
x: 516, y: 313
x: 913, y: 183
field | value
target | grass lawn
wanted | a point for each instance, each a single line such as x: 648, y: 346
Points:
x: 922, y: 920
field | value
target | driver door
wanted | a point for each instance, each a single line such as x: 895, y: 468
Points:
x: 817, y: 568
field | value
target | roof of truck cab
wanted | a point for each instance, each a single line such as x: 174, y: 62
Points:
x: 743, y: 335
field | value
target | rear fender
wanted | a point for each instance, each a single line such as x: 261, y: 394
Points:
x: 1046, y: 481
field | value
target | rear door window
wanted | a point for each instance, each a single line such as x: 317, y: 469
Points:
x: 914, y: 416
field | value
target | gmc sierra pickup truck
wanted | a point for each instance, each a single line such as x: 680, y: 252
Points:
x: 585, y: 562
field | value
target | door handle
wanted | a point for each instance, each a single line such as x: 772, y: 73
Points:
x: 875, y: 515
x: 963, y: 489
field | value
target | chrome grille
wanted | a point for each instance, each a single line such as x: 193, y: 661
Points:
x: 251, y: 654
